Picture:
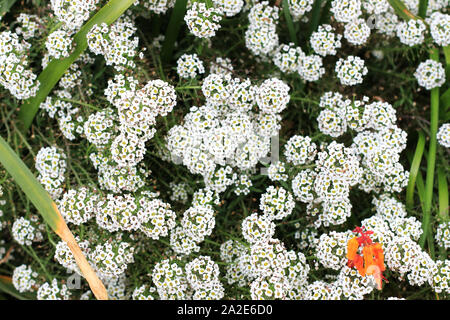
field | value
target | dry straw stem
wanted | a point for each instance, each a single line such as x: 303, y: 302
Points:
x: 49, y: 211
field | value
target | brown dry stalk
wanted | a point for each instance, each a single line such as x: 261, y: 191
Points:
x: 5, y: 258
x: 96, y: 285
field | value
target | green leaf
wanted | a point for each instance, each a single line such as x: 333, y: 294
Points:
x: 414, y: 170
x: 443, y: 195
x: 50, y: 76
x: 30, y: 185
x: 289, y: 23
x: 49, y: 211
x: 315, y: 16
x: 431, y: 159
x: 5, y: 5
x: 444, y: 100
x: 401, y: 10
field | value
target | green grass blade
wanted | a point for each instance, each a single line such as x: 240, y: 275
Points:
x: 423, y: 4
x: 176, y: 19
x: 49, y: 211
x: 290, y: 24
x: 401, y: 10
x: 56, y: 68
x: 29, y: 185
x: 5, y: 5
x: 444, y: 101
x: 414, y: 170
x: 447, y: 60
x: 315, y: 16
x: 443, y: 195
x: 431, y: 159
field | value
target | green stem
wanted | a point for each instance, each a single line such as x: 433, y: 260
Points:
x: 431, y: 159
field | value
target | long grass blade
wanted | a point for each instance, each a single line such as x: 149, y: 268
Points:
x: 414, y: 170
x: 431, y: 159
x: 401, y: 10
x: 290, y: 24
x: 444, y: 101
x: 176, y: 19
x: 5, y: 5
x: 443, y: 195
x: 315, y: 16
x: 49, y: 211
x: 423, y: 4
x: 56, y: 68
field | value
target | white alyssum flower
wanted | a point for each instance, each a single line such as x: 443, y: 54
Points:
x: 443, y: 135
x: 351, y: 71
x: 430, y: 74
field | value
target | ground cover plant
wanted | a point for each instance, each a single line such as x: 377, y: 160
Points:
x: 224, y: 149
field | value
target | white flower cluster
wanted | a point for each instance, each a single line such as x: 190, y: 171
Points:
x: 221, y: 66
x: 351, y: 71
x: 298, y: 8
x: 14, y: 73
x: 311, y: 68
x: 179, y: 192
x: 325, y: 41
x: 24, y: 278
x: 277, y: 171
x: 300, y: 150
x: 112, y: 258
x: 225, y: 131
x: 229, y: 7
x: 78, y: 206
x: 331, y: 249
x: 357, y: 32
x: 53, y: 291
x: 158, y: 6
x: 378, y: 143
x: 114, y: 178
x: 430, y: 74
x: 26, y: 231
x: 376, y: 6
x: 51, y: 165
x: 144, y: 292
x: 261, y: 37
x: 346, y: 10
x: 59, y: 44
x: 404, y: 256
x: 443, y: 235
x: 276, y: 203
x: 202, y: 274
x: 29, y: 25
x: 440, y: 28
x: 73, y: 13
x: 443, y: 135
x: 189, y: 66
x: 202, y: 21
x: 170, y: 280
x: 326, y: 188
x: 411, y: 32
x: 115, y: 42
x: 440, y: 281
x: 287, y: 57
